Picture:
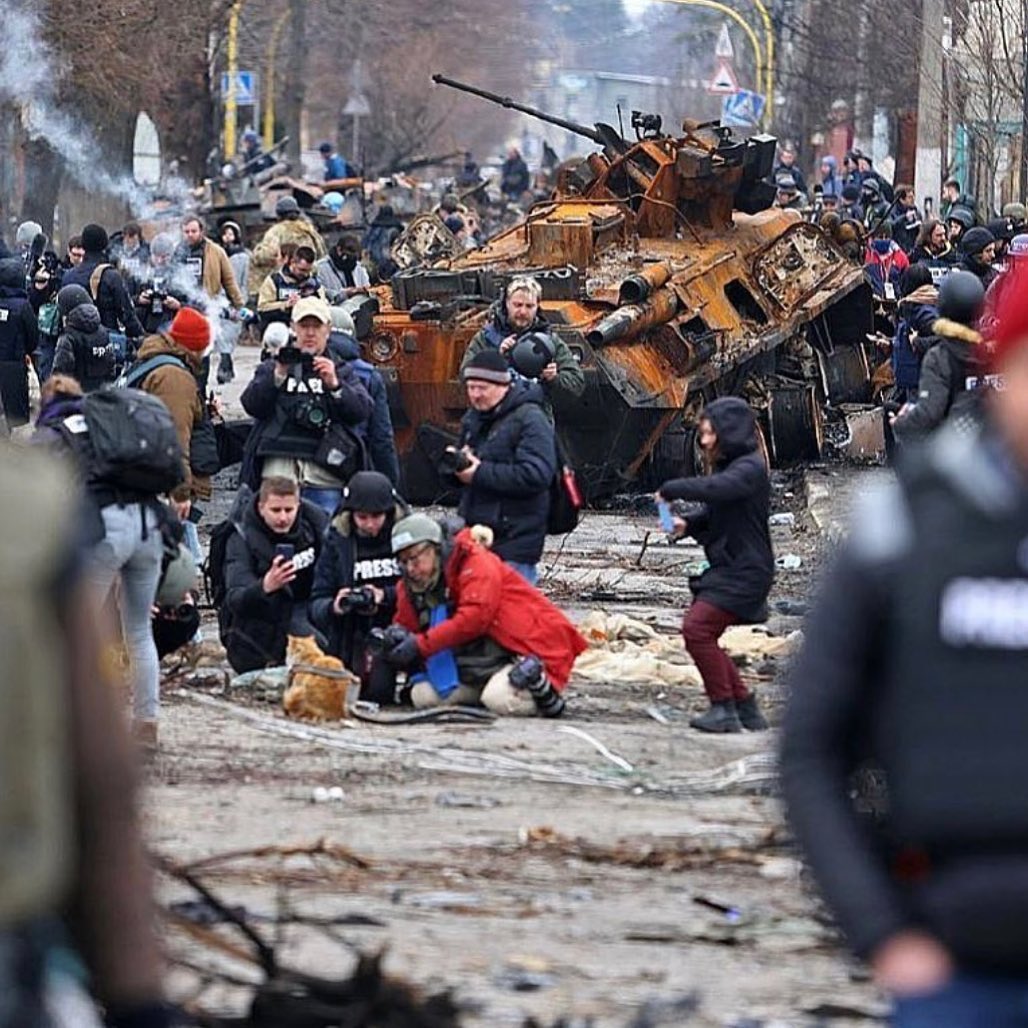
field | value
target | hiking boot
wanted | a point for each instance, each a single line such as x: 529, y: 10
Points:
x: 721, y: 717
x: 750, y: 715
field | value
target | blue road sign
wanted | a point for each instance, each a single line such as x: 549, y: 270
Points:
x: 742, y: 109
x: 246, y: 88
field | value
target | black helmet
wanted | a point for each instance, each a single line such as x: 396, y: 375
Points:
x: 961, y: 297
x: 370, y: 492
x: 532, y: 353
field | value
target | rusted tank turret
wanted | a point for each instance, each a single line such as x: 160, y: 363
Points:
x: 671, y: 280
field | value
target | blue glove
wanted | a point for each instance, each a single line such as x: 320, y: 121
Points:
x: 404, y: 652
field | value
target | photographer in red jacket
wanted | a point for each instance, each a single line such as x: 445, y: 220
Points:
x: 471, y: 629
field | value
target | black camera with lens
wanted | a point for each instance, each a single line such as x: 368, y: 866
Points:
x: 158, y: 295
x: 309, y: 412
x: 359, y: 601
x: 381, y: 640
x: 291, y: 354
x: 453, y: 460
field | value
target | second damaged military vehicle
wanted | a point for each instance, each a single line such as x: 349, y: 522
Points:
x: 672, y: 281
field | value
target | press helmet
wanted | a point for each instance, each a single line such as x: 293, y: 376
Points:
x: 961, y: 297
x: 532, y: 352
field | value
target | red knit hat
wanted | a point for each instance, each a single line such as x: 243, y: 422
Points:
x: 191, y: 330
x: 1009, y: 321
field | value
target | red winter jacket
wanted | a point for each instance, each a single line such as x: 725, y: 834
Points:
x: 489, y: 598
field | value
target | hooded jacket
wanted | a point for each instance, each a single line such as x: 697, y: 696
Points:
x: 335, y: 278
x: 112, y: 299
x: 488, y: 598
x: 570, y: 379
x: 914, y: 336
x: 377, y: 431
x: 258, y: 622
x: 733, y: 527
x: 510, y: 491
x: 341, y: 566
x: 84, y: 349
x: 18, y: 338
x: 179, y: 390
x: 951, y: 373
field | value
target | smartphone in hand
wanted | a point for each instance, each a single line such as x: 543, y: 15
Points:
x: 286, y: 551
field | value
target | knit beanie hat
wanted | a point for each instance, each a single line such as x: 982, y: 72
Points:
x: 71, y: 297
x: 974, y: 240
x: 487, y: 366
x: 191, y: 330
x: 94, y: 239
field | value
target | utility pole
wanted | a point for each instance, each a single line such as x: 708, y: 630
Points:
x: 295, y: 79
x: 928, y: 166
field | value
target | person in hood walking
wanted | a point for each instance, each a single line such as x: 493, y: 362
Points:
x: 732, y: 526
x: 355, y: 578
x: 18, y: 340
x: 516, y: 315
x: 914, y: 662
x: 84, y: 348
x: 510, y: 459
x: 239, y: 257
x: 831, y: 184
x: 977, y: 252
x: 341, y: 272
x: 954, y: 370
x: 100, y: 278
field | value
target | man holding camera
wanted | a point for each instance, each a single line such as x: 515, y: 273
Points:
x: 306, y: 405
x: 356, y: 575
x: 156, y: 298
x: 269, y: 571
x: 512, y: 318
x: 506, y: 461
x: 470, y: 630
x: 283, y: 289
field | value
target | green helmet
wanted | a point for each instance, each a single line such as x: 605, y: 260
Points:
x: 414, y: 529
x: 179, y: 577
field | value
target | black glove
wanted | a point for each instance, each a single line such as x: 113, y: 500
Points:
x: 404, y: 652
x: 152, y: 1015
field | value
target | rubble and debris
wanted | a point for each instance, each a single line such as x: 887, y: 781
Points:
x: 788, y: 562
x: 784, y: 519
x: 466, y: 801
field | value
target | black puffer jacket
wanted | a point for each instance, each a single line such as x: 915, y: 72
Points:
x: 84, y: 349
x: 275, y: 408
x: 18, y: 337
x: 112, y: 299
x: 733, y: 530
x: 348, y: 562
x: 258, y: 622
x: 511, y: 489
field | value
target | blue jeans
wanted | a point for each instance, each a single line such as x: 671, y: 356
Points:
x: 968, y: 1001
x: 326, y: 499
x: 527, y: 571
x: 124, y: 554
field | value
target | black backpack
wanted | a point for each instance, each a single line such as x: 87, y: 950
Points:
x: 135, y: 447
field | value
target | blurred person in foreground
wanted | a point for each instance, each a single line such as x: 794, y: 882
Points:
x: 915, y: 663
x: 72, y: 873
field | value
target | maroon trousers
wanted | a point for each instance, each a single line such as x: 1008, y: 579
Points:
x: 701, y: 628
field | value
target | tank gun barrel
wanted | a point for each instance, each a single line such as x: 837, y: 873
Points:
x: 630, y: 320
x: 601, y: 134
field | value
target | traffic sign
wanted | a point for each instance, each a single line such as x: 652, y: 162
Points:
x: 723, y: 48
x: 724, y: 80
x: 742, y: 109
x: 246, y: 88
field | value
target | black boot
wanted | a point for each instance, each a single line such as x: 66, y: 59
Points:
x: 528, y: 673
x: 226, y: 372
x: 750, y: 714
x: 721, y: 717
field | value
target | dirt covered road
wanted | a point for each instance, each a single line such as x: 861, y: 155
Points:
x: 535, y: 871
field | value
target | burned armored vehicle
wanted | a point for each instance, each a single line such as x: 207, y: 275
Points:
x: 672, y: 282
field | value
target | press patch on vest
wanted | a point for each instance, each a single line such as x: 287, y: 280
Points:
x: 4, y: 314
x: 985, y: 612
x: 372, y: 569
x: 304, y: 559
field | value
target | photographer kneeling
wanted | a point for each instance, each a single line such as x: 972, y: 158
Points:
x: 355, y: 578
x: 269, y: 572
x: 306, y: 404
x: 470, y: 630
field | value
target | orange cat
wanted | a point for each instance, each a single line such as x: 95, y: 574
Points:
x: 310, y: 696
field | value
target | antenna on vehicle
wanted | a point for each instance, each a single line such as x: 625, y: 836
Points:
x: 621, y: 124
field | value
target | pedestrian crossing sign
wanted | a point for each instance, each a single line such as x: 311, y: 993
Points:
x: 724, y: 80
x: 742, y: 109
